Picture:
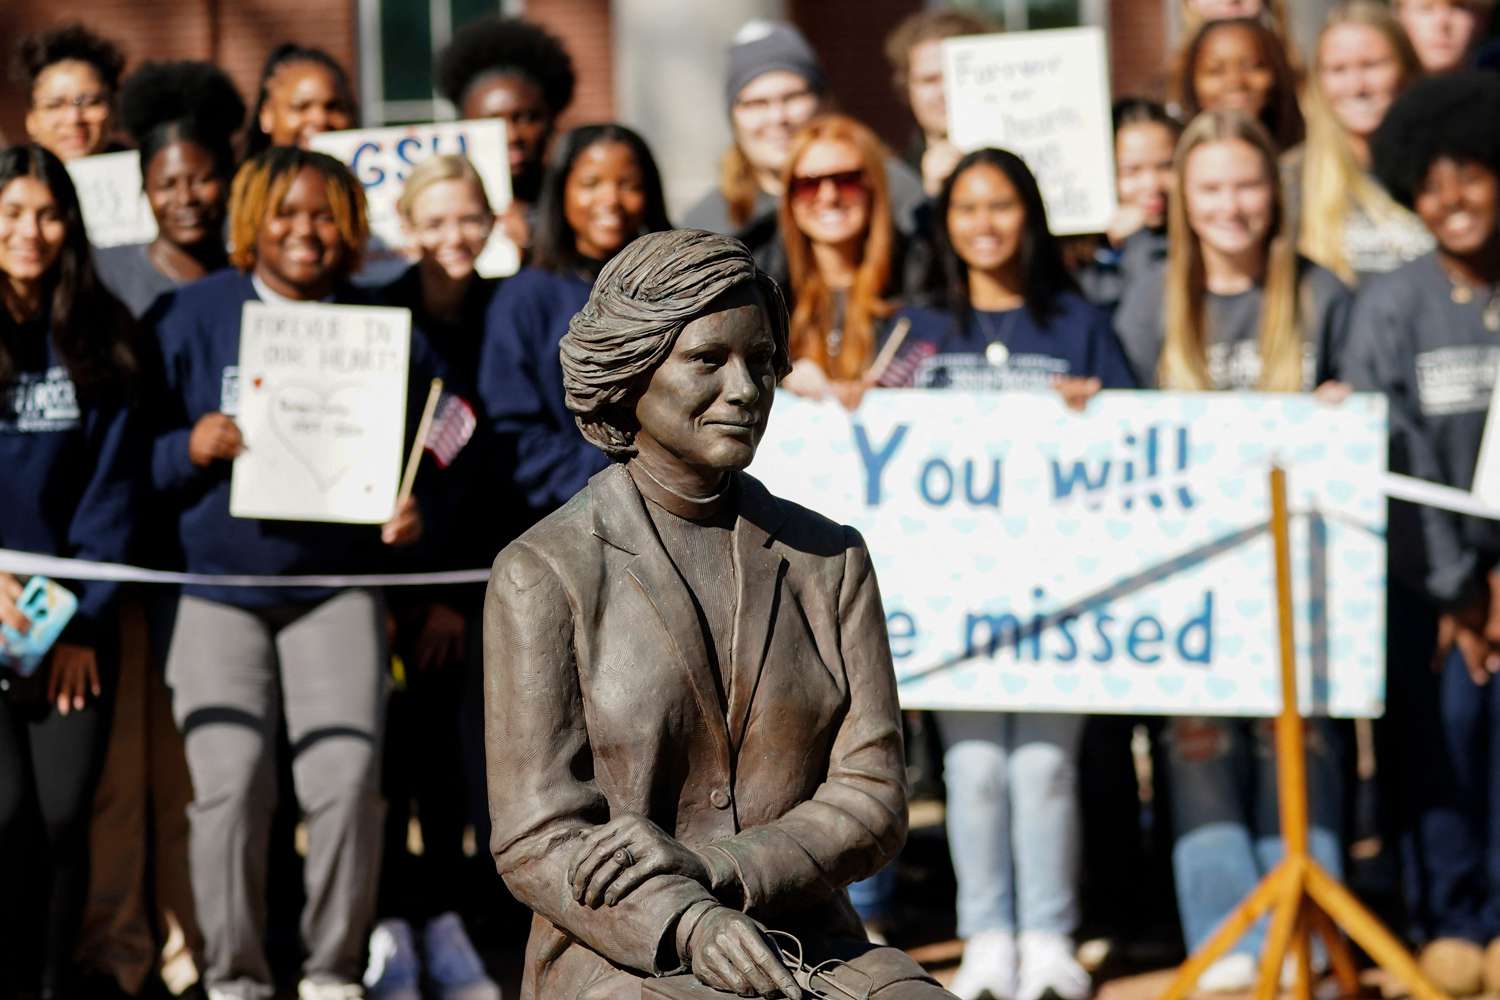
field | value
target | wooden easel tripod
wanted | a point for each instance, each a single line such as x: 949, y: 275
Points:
x: 1301, y: 897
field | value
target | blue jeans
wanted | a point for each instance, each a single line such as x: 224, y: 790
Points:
x: 1452, y: 789
x: 1224, y: 809
x: 873, y: 897
x: 1013, y: 819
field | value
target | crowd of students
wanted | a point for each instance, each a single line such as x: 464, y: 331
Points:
x: 1316, y: 222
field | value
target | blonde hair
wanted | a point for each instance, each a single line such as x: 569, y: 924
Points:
x: 263, y: 181
x: 737, y: 185
x: 435, y: 170
x: 1184, y: 356
x: 813, y: 314
x: 1333, y: 180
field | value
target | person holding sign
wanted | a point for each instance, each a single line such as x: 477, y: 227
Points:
x: 303, y: 92
x: 1426, y: 336
x: 242, y: 657
x: 837, y: 219
x: 511, y: 69
x: 602, y: 191
x: 71, y: 451
x: 434, y: 744
x: 72, y: 75
x: 1016, y: 321
x: 1240, y: 65
x: 182, y: 117
x: 1235, y: 308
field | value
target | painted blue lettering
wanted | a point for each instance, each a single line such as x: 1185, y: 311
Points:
x: 1144, y: 631
x: 875, y: 461
x: 924, y: 484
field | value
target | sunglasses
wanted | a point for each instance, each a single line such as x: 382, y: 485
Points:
x: 847, y: 184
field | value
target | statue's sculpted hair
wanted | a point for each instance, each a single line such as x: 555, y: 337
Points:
x: 639, y: 305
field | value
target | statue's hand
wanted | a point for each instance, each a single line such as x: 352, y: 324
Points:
x: 623, y: 853
x: 728, y: 951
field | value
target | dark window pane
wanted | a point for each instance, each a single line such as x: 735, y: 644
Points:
x: 465, y: 11
x: 405, y: 50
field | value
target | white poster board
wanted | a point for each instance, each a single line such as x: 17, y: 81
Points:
x: 383, y: 157
x: 1036, y: 559
x: 1486, y: 486
x: 322, y: 407
x: 1043, y: 95
x: 110, y: 195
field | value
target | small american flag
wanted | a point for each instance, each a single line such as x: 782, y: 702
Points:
x: 452, y: 426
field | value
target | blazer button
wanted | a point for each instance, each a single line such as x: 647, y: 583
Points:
x: 719, y: 798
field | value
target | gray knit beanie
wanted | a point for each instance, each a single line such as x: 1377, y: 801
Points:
x: 762, y: 46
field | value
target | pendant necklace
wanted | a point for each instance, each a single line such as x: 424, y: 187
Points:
x: 996, y: 353
x: 1463, y: 293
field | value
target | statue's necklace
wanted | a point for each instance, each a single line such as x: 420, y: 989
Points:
x: 701, y: 501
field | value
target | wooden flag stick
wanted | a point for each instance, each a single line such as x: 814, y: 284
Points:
x: 888, y: 352
x: 414, y: 460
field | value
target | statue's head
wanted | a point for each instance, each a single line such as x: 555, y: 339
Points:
x: 683, y: 340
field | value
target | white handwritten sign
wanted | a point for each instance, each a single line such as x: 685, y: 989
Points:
x: 1043, y: 95
x: 383, y: 157
x: 1036, y: 559
x: 114, y: 206
x: 323, y: 410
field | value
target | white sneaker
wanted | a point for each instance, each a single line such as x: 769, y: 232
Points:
x: 988, y: 968
x: 1048, y: 969
x: 394, y: 971
x: 1234, y: 973
x: 311, y: 989
x: 453, y: 966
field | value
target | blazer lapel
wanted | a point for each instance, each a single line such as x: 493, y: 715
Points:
x: 620, y: 518
x: 759, y: 571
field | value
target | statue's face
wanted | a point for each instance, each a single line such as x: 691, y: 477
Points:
x: 707, y: 404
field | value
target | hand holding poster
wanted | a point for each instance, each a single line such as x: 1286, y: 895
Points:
x: 110, y: 195
x: 381, y: 158
x: 1036, y: 559
x: 1043, y: 95
x: 323, y: 412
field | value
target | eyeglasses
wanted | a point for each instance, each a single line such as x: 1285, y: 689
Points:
x: 847, y: 184
x: 818, y: 980
x: 760, y: 107
x: 93, y: 105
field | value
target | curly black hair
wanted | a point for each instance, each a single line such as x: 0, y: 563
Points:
x: 1436, y: 117
x: 165, y: 102
x: 507, y: 45
x: 70, y: 41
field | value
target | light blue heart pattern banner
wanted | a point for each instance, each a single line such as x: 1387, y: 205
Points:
x: 1032, y: 558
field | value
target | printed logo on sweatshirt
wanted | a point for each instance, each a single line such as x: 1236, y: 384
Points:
x: 229, y: 391
x: 1456, y: 379
x: 1237, y: 365
x: 40, y: 403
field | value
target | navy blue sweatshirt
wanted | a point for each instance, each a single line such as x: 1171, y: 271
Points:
x: 520, y: 385
x: 1008, y: 349
x: 71, y: 485
x: 198, y: 329
x: 479, y: 510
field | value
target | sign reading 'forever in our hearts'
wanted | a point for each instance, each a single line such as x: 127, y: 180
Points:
x: 1119, y: 560
x: 1043, y: 95
x: 323, y: 411
x: 382, y: 159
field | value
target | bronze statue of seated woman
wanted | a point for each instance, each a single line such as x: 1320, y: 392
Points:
x: 692, y: 734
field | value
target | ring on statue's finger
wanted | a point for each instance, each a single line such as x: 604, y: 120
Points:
x: 624, y: 858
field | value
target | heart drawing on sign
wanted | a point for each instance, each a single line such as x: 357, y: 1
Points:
x: 306, y: 419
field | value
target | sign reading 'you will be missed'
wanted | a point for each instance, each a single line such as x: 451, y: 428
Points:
x: 322, y: 407
x: 1043, y: 95
x: 1119, y: 560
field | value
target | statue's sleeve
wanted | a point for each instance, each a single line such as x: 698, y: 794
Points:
x: 540, y: 771
x: 856, y: 820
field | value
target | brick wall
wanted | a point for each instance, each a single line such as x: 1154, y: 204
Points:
x: 235, y: 33
x: 1139, y: 56
x: 853, y: 53
x: 584, y: 27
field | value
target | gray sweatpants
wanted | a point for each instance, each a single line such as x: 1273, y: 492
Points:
x: 233, y: 672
